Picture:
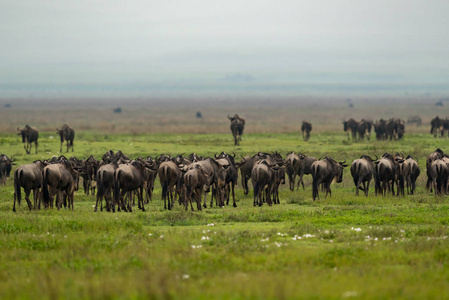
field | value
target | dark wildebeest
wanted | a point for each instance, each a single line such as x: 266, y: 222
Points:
x: 29, y: 135
x: 58, y: 179
x: 305, y: 167
x: 437, y: 154
x: 29, y: 177
x: 414, y: 172
x: 364, y: 129
x: 105, y: 184
x: 385, y: 174
x: 228, y: 163
x: 261, y: 177
x: 195, y: 180
x: 306, y: 128
x: 351, y: 125
x: 324, y: 172
x: 237, y: 126
x: 437, y: 173
x: 128, y: 178
x: 6, y: 164
x: 169, y: 175
x: 278, y: 178
x: 67, y: 134
x: 293, y: 164
x: 150, y: 177
x: 362, y: 171
x: 380, y: 128
x: 88, y: 173
x: 435, y: 125
x: 402, y: 175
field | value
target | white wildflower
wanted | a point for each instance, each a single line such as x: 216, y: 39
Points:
x: 185, y: 276
x: 211, y: 224
x: 205, y: 238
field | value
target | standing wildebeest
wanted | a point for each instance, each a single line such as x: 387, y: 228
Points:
x: 29, y: 135
x: 437, y: 154
x: 228, y: 163
x: 261, y: 177
x: 6, y: 164
x: 385, y: 174
x: 435, y: 125
x: 28, y: 177
x: 324, y: 172
x: 105, y: 184
x: 237, y: 126
x: 169, y: 175
x: 293, y: 164
x: 414, y: 172
x: 351, y: 125
x: 128, y: 178
x: 380, y: 127
x: 305, y: 167
x: 306, y: 128
x: 67, y: 134
x: 195, y: 179
x: 438, y: 174
x: 362, y: 171
x: 364, y: 129
x: 402, y: 175
x: 58, y: 179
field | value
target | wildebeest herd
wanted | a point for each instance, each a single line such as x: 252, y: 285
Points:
x: 392, y: 129
x: 118, y: 180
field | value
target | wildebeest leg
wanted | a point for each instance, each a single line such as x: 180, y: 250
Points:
x: 27, y: 198
x: 300, y: 181
x: 205, y: 200
x: 140, y: 195
x: 233, y: 194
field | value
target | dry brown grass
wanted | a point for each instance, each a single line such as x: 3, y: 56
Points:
x: 263, y: 115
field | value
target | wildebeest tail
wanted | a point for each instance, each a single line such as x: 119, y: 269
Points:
x: 17, y: 191
x: 356, y: 174
x: 45, y: 192
x: 100, y: 186
x: 165, y: 182
x: 117, y: 187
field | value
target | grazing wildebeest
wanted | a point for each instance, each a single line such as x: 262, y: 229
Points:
x: 29, y: 177
x: 29, y: 135
x: 66, y: 134
x: 195, y: 180
x: 306, y: 128
x: 129, y: 177
x: 58, y: 179
x: 305, y: 167
x: 385, y: 174
x: 237, y: 126
x: 362, y: 171
x: 414, y: 172
x: 6, y: 164
x: 351, y: 125
x: 169, y: 175
x: 435, y: 125
x: 324, y: 172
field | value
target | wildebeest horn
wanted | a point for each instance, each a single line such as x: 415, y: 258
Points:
x: 377, y: 158
x: 341, y: 163
x: 402, y: 155
x: 233, y: 153
x: 215, y: 155
x: 320, y: 158
x: 229, y: 117
x: 416, y: 159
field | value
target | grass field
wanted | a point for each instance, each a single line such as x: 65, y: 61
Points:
x: 340, y: 247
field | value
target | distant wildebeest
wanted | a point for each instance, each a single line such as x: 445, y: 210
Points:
x: 29, y: 135
x: 58, y: 179
x: 324, y: 172
x: 351, y: 125
x: 414, y: 172
x: 362, y: 171
x: 128, y: 178
x: 364, y: 129
x: 306, y: 128
x: 414, y: 120
x: 237, y: 126
x: 29, y: 177
x: 66, y: 134
x: 435, y: 125
x: 117, y: 110
x: 380, y: 128
x: 199, y: 115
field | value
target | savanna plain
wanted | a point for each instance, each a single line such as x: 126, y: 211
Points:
x: 339, y: 247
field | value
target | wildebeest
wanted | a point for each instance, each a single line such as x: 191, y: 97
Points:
x: 305, y: 167
x: 414, y: 172
x: 237, y: 126
x: 66, y: 134
x: 292, y: 169
x: 435, y: 125
x: 364, y: 129
x: 414, y: 120
x: 129, y: 177
x: 105, y: 184
x: 29, y: 135
x: 58, y: 179
x: 402, y: 175
x: 169, y: 175
x: 437, y: 154
x: 362, y: 171
x: 385, y: 174
x: 227, y: 162
x: 324, y: 172
x: 195, y: 179
x: 306, y: 128
x: 6, y: 164
x: 351, y: 125
x: 438, y: 174
x: 261, y: 177
x: 28, y: 177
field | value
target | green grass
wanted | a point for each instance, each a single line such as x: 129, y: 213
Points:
x: 340, y: 247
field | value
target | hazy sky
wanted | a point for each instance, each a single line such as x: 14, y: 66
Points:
x: 196, y: 43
